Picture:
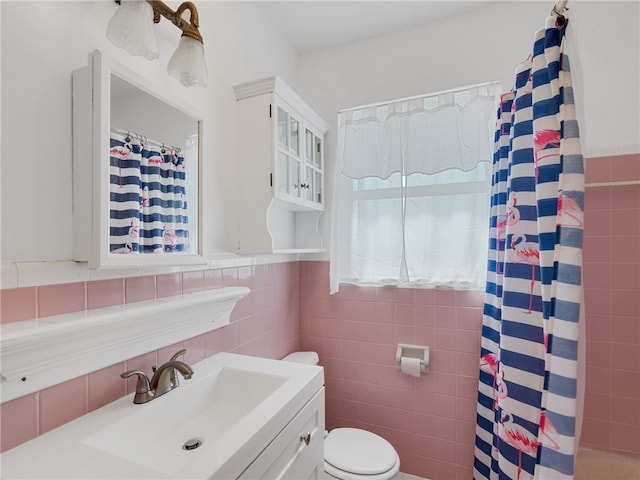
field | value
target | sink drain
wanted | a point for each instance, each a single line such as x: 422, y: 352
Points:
x: 191, y: 444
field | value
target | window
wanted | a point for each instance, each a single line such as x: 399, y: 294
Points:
x: 411, y: 193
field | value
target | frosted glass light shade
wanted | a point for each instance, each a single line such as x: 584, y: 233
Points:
x: 187, y: 63
x: 131, y: 28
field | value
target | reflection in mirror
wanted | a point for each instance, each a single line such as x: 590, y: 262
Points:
x: 153, y: 184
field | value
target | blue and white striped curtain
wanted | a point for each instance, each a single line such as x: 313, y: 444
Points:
x: 528, y: 389
x: 148, y: 207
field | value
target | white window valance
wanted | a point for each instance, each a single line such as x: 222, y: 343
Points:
x: 429, y: 134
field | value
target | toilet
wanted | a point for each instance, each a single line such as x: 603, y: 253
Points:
x: 353, y: 453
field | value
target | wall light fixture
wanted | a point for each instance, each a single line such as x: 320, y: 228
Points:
x: 131, y: 28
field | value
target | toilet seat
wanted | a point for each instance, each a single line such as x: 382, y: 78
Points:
x: 351, y: 454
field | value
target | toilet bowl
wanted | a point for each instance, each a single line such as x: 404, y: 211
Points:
x: 353, y: 453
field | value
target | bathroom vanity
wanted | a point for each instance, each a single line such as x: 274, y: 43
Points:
x: 238, y: 417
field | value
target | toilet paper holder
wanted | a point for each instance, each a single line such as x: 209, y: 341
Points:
x: 414, y: 351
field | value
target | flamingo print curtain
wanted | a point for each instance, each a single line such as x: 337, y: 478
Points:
x: 148, y: 207
x: 528, y: 386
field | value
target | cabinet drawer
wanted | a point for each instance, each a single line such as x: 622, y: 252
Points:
x: 289, y: 456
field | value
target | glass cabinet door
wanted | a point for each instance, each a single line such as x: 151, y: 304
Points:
x: 294, y: 177
x: 294, y: 133
x: 307, y: 186
x: 282, y: 174
x: 288, y: 159
x: 308, y: 143
x: 313, y: 178
x: 317, y: 191
x: 283, y: 128
x: 317, y: 148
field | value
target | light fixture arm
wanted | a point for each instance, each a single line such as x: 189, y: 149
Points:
x: 131, y: 29
x: 190, y: 28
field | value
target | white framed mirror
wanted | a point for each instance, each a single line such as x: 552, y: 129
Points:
x: 137, y: 170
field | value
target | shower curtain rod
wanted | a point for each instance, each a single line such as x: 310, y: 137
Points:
x: 146, y: 140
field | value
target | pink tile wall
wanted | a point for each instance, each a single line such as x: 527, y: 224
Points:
x: 612, y: 298
x: 264, y: 323
x: 430, y: 420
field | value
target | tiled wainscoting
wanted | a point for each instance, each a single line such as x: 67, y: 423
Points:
x: 612, y: 306
x: 264, y: 323
x: 430, y: 420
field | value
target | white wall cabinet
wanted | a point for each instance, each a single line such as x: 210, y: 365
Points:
x: 297, y: 453
x: 109, y: 203
x: 281, y: 165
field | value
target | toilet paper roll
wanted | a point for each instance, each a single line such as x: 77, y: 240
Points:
x: 410, y: 366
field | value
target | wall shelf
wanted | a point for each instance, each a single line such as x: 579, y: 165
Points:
x: 39, y: 353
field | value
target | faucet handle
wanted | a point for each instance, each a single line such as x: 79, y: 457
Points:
x: 143, y: 388
x: 173, y: 378
x: 178, y: 353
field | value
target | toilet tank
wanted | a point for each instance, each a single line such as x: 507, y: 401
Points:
x: 310, y: 358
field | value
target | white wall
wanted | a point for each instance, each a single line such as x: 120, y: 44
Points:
x: 486, y: 44
x: 42, y: 42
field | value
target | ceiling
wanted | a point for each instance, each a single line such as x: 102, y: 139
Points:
x: 310, y: 25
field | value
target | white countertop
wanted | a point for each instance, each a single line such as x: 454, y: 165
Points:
x: 64, y: 453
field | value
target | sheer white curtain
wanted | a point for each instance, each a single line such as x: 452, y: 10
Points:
x: 411, y: 191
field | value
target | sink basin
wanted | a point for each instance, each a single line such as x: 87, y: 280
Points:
x: 234, y: 406
x: 199, y: 410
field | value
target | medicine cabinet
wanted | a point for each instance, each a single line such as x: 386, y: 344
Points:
x: 281, y: 170
x: 137, y: 170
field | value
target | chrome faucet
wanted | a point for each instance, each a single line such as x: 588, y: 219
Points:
x: 164, y: 379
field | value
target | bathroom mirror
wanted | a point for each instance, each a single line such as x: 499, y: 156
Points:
x: 137, y: 171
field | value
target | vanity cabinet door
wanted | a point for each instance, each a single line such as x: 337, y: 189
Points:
x: 297, y: 453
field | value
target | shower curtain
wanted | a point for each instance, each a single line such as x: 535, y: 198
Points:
x: 528, y: 391
x: 148, y: 207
